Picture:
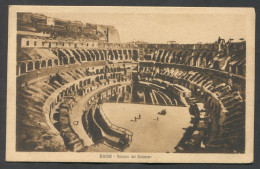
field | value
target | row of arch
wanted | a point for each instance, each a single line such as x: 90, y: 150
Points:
x: 193, y: 84
x: 183, y: 57
x: 80, y: 85
x: 27, y: 66
x: 66, y: 55
x: 209, y: 59
x: 24, y: 67
x: 197, y: 91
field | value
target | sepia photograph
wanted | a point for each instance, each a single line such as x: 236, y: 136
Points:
x: 130, y: 84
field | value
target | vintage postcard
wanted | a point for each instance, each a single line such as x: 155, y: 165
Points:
x: 130, y: 84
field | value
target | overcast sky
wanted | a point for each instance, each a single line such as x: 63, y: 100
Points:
x: 163, y: 27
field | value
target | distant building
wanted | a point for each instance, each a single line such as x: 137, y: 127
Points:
x: 112, y: 35
x: 171, y: 42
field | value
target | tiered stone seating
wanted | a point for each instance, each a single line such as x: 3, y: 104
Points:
x: 225, y: 105
x: 32, y: 128
x: 53, y: 66
x: 230, y: 60
x: 41, y: 93
x: 71, y: 139
x: 196, y: 135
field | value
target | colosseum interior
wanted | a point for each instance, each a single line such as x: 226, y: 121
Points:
x: 79, y: 89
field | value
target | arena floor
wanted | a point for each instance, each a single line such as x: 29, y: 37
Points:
x: 150, y: 134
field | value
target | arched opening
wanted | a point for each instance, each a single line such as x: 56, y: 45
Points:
x: 65, y: 60
x: 128, y: 88
x: 27, y: 43
x: 72, y: 60
x: 97, y: 57
x: 56, y: 62
x: 37, y: 64
x: 116, y: 54
x: 83, y: 58
x: 43, y: 64
x: 102, y: 57
x: 49, y: 63
x: 80, y: 84
x: 23, y: 67
x: 30, y: 66
x: 88, y: 56
x: 111, y: 57
x: 97, y: 71
x: 97, y: 79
